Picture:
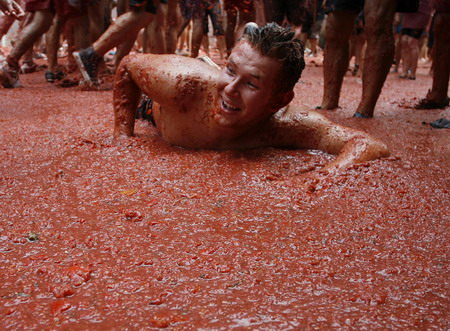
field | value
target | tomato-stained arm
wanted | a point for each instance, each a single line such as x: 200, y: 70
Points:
x: 314, y: 131
x: 170, y: 80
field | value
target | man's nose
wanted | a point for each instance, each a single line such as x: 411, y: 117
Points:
x: 231, y: 87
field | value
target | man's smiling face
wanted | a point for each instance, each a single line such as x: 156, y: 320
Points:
x: 246, y: 88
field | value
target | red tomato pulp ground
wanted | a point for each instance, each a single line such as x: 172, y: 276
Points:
x: 99, y: 235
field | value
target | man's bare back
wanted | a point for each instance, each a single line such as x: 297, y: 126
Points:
x: 239, y: 107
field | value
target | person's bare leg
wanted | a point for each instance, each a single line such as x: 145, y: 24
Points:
x: 229, y: 30
x: 406, y: 56
x: 98, y: 23
x: 360, y: 42
x: 437, y: 97
x: 221, y: 46
x: 52, y: 43
x: 244, y: 18
x: 68, y: 32
x: 205, y: 44
x: 173, y: 22
x: 126, y: 95
x: 124, y: 28
x: 413, y: 56
x: 182, y: 41
x: 398, y: 51
x: 379, y: 15
x: 338, y: 28
x: 156, y: 31
x: 81, y: 31
x: 40, y: 23
x: 123, y: 50
x: 5, y: 23
x: 123, y: 31
x: 313, y: 43
x: 197, y: 35
x: 260, y: 14
x: 28, y: 55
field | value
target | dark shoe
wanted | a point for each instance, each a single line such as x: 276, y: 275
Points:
x: 88, y: 62
x: 431, y: 104
x: 28, y: 67
x: 355, y: 70
x: 359, y: 115
x: 441, y: 123
x: 144, y: 110
x: 60, y: 75
x: 10, y: 76
x: 50, y: 77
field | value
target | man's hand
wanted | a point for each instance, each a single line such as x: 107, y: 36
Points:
x: 12, y: 8
x: 314, y: 131
x: 358, y: 149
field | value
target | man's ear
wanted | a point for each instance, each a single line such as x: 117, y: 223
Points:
x: 282, y: 99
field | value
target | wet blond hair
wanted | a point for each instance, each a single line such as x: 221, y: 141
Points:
x: 278, y: 43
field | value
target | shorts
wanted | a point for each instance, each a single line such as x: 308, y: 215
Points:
x: 238, y: 5
x: 193, y: 8
x: 215, y: 14
x: 149, y: 6
x: 60, y: 7
x: 415, y: 33
x: 403, y: 6
x: 407, y: 6
x: 441, y: 6
x: 314, y: 31
x: 359, y: 24
x: 312, y: 26
x: 341, y: 5
x: 294, y: 10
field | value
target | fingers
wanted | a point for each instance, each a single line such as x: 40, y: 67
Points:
x: 12, y: 8
x: 17, y: 10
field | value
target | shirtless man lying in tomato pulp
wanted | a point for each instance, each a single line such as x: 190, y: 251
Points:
x: 246, y: 105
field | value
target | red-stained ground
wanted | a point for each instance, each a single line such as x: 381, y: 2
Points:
x: 98, y: 235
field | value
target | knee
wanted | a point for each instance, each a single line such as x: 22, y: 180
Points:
x: 338, y: 28
x: 41, y: 25
x: 404, y: 41
x: 378, y: 25
x: 413, y: 42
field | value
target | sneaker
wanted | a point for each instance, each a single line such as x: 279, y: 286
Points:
x: 39, y: 55
x: 432, y: 104
x: 355, y: 70
x: 52, y: 76
x: 88, y: 62
x: 10, y: 77
x: 28, y: 67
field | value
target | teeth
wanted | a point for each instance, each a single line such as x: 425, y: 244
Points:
x: 229, y: 107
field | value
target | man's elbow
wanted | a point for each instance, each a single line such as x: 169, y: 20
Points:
x: 373, y: 149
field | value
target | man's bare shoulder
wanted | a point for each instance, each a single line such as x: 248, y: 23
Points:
x: 295, y: 117
x: 172, y: 79
x: 174, y: 65
x: 293, y: 127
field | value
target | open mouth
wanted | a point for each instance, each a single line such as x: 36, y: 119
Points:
x: 229, y: 107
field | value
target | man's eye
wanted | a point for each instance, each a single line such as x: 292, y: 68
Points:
x: 252, y: 86
x: 230, y: 70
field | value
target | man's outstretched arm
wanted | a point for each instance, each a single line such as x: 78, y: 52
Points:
x: 314, y: 131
